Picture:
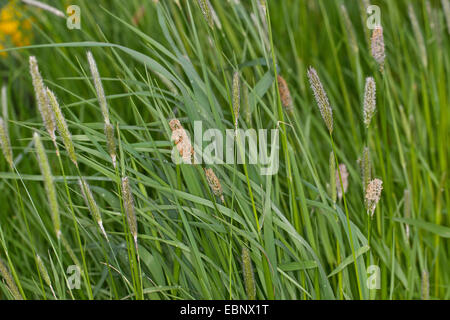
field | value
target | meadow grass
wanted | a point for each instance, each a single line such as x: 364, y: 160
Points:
x: 362, y: 187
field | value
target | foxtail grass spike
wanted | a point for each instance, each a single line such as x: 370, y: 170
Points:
x: 407, y: 210
x: 446, y: 7
x: 128, y: 203
x: 42, y: 100
x: 69, y: 250
x: 321, y: 98
x: 4, y: 271
x: 246, y: 105
x: 5, y: 143
x: 92, y: 204
x: 350, y: 30
x: 418, y: 35
x: 48, y: 183
x: 373, y: 194
x: 110, y: 142
x: 62, y: 127
x: 366, y: 168
x: 285, y: 94
x: 182, y: 141
x: 236, y: 98
x: 344, y: 177
x: 377, y: 46
x: 214, y: 183
x: 425, y: 285
x: 214, y: 16
x: 98, y: 87
x: 333, y: 172
x: 369, y: 100
x: 46, y: 7
x: 4, y: 100
x: 44, y: 273
x: 206, y: 12
x: 249, y: 277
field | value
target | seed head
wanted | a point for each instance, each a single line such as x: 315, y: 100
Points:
x: 321, y: 98
x: 4, y: 101
x: 446, y: 6
x: 92, y: 204
x: 48, y: 183
x: 425, y: 285
x: 373, y: 194
x: 214, y: 183
x: 418, y: 35
x: 249, y: 277
x: 4, y: 271
x: 285, y: 94
x: 236, y: 98
x: 377, y: 46
x: 350, y: 30
x: 43, y: 270
x: 182, y: 141
x: 42, y: 100
x: 5, y: 143
x: 407, y: 209
x: 98, y: 87
x: 246, y: 104
x: 344, y: 178
x: 365, y: 166
x: 45, y: 7
x: 369, y: 100
x: 204, y: 6
x: 128, y: 203
x: 62, y: 126
x: 333, y: 180
x: 110, y: 142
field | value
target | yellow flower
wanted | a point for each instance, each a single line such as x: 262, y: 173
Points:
x: 14, y: 29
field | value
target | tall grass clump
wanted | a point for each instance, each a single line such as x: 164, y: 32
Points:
x: 210, y: 150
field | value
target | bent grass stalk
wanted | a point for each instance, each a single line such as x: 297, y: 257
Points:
x: 327, y: 115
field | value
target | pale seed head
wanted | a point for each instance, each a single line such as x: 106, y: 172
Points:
x: 42, y: 99
x: 236, y: 98
x: 321, y: 98
x: 418, y: 35
x: 373, y: 194
x: 182, y: 141
x: 128, y: 203
x: 333, y: 180
x: 214, y: 183
x: 111, y: 143
x: 92, y: 204
x: 425, y: 285
x: 5, y: 143
x: 249, y: 277
x: 4, y: 271
x: 285, y: 94
x: 98, y: 87
x: 377, y: 46
x: 43, y: 270
x: 48, y: 183
x: 344, y: 177
x: 206, y: 10
x: 61, y: 124
x: 369, y: 100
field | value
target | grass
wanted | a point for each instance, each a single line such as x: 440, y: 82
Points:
x: 281, y: 236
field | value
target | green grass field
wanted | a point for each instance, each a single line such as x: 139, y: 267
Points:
x: 178, y: 231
